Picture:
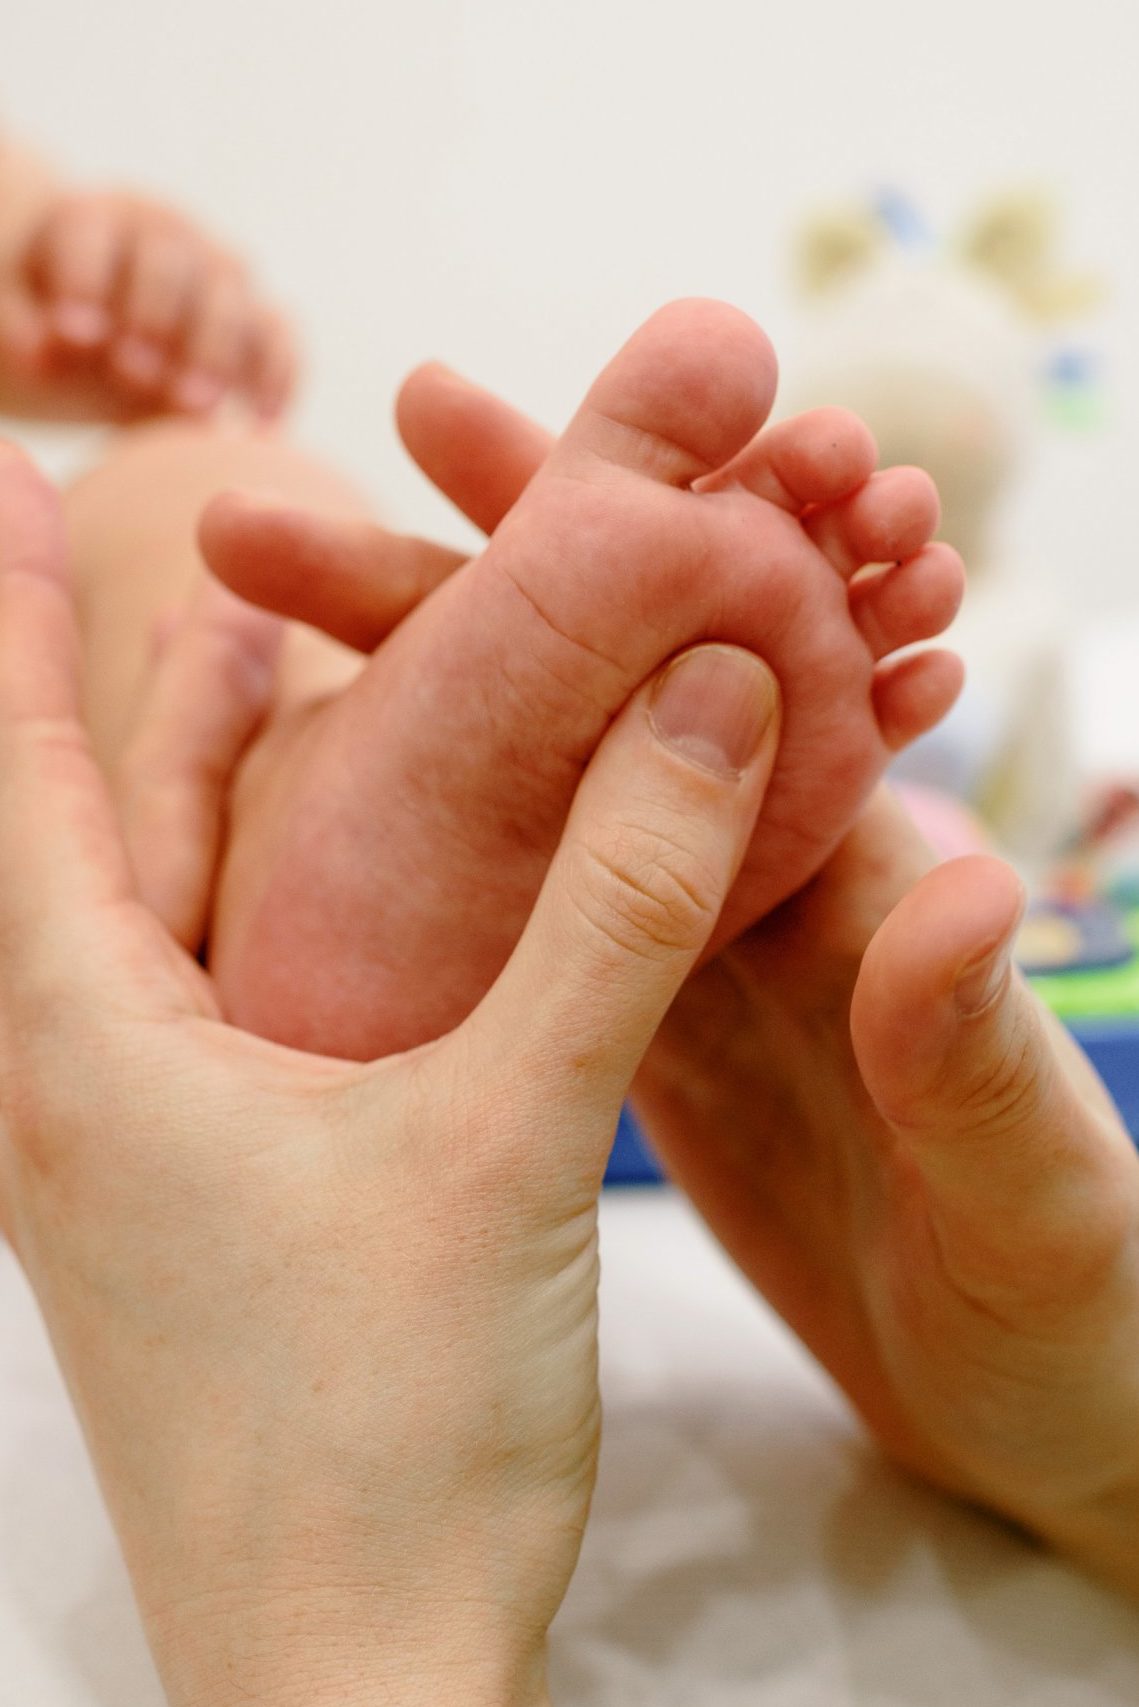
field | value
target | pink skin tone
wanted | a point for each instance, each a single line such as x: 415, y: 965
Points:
x: 117, y: 307
x: 376, y: 831
x: 919, y: 1169
x: 896, y: 1143
x: 331, y: 1329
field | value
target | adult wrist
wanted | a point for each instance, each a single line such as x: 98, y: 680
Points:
x: 424, y: 1687
x: 314, y: 1662
x: 381, y: 1690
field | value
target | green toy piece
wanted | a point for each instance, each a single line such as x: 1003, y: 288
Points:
x: 1108, y: 995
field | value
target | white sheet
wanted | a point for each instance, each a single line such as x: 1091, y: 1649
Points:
x: 747, y: 1546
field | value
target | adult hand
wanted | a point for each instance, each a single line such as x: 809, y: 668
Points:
x: 909, y: 1158
x: 331, y: 1328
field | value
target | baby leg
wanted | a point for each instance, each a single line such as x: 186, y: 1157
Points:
x: 132, y: 523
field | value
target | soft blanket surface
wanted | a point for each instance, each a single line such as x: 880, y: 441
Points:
x: 748, y: 1546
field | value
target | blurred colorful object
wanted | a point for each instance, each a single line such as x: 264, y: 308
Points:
x: 1079, y: 944
x: 957, y: 348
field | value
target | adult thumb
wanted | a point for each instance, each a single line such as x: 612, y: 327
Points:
x: 657, y: 832
x: 991, y: 1105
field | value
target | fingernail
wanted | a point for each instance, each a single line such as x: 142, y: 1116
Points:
x: 713, y: 706
x: 981, y: 981
x: 84, y: 323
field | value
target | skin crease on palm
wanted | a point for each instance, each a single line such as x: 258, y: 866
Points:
x: 935, y: 1191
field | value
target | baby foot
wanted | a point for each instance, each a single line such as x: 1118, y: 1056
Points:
x: 118, y: 307
x: 388, y: 844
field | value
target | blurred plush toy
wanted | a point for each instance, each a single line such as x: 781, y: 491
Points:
x: 943, y: 348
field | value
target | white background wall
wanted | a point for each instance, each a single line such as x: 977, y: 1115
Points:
x: 511, y: 185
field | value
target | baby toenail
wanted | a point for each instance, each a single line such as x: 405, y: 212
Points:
x: 713, y: 705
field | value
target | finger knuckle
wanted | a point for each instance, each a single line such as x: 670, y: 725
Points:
x: 650, y: 895
x: 1004, y: 1091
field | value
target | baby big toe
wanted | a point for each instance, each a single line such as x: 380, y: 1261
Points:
x: 690, y: 387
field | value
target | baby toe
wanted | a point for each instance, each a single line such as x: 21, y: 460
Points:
x: 273, y: 363
x: 913, y: 693
x: 216, y: 344
x: 815, y: 458
x: 887, y: 520
x: 909, y: 601
x: 74, y: 263
x: 158, y: 280
x: 686, y: 392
